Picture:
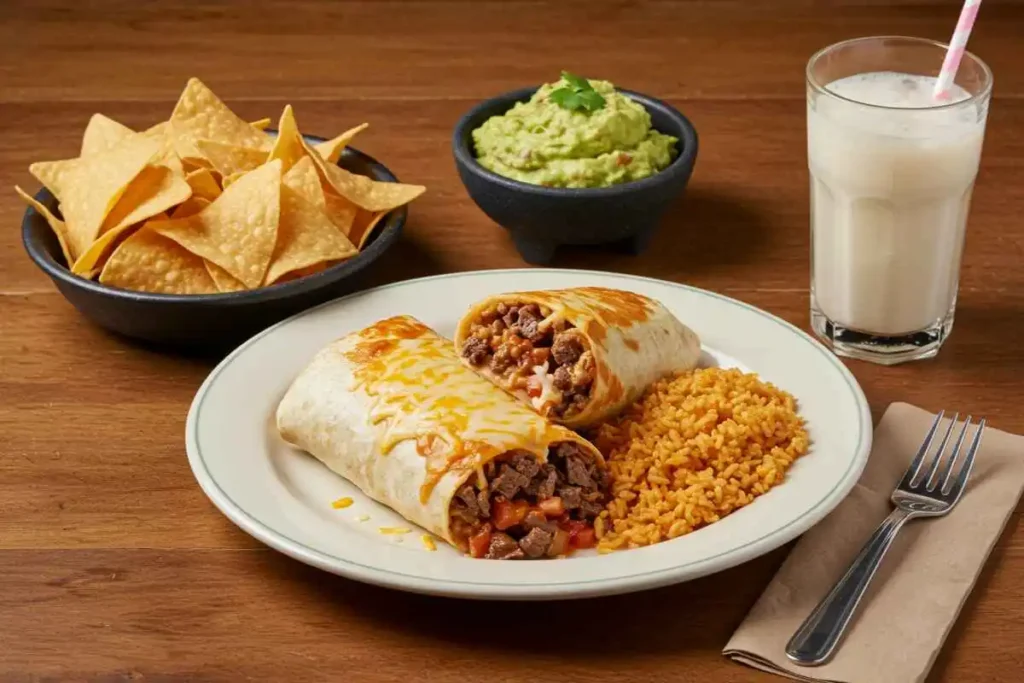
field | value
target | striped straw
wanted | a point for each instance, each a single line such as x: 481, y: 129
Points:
x: 955, y: 52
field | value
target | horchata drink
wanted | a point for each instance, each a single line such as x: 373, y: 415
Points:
x: 892, y: 169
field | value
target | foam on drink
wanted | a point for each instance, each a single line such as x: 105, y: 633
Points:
x: 890, y: 190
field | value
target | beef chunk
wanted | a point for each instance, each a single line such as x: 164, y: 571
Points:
x: 562, y: 379
x: 536, y: 543
x: 567, y: 448
x: 471, y: 505
x: 509, y: 482
x: 571, y: 497
x: 567, y: 348
x: 529, y: 319
x: 460, y: 512
x: 475, y: 349
x: 535, y: 518
x: 501, y: 360
x: 579, y: 400
x: 590, y: 509
x: 577, y: 472
x: 526, y: 465
x: 468, y: 496
x: 503, y: 547
x: 546, y: 488
x: 543, y: 483
x: 511, y: 316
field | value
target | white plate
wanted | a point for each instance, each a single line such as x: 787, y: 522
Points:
x: 283, y: 497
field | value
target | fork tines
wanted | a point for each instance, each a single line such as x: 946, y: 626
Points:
x: 952, y: 481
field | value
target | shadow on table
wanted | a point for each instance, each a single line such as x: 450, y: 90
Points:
x: 986, y: 335
x: 699, y: 615
x: 705, y: 229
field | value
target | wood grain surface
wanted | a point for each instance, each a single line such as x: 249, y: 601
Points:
x: 113, y: 565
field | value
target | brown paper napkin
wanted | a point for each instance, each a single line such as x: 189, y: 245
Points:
x: 923, y: 581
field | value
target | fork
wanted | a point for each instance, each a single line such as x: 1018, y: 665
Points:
x: 815, y: 642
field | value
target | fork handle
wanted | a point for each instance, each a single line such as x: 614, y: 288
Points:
x: 815, y: 641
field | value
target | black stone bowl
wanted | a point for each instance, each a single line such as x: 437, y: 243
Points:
x: 207, y: 323
x: 543, y: 218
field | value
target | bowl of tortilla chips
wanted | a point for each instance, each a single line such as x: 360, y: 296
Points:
x: 205, y: 228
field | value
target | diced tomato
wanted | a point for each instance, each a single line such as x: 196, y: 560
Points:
x: 508, y: 513
x: 534, y: 386
x: 552, y: 507
x: 573, y: 526
x: 479, y: 542
x: 585, y: 538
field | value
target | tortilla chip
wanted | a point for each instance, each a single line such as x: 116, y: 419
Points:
x: 95, y: 257
x: 362, y: 191
x: 341, y: 212
x: 103, y: 133
x: 158, y: 131
x: 222, y: 279
x: 200, y: 115
x: 305, y: 237
x: 238, y: 230
x: 261, y: 124
x: 331, y: 149
x: 227, y: 159
x: 191, y: 207
x: 88, y: 188
x: 228, y: 179
x: 303, y: 272
x: 203, y: 184
x: 168, y: 155
x: 156, y: 189
x: 191, y: 165
x: 303, y: 179
x: 150, y: 262
x: 289, y: 146
x: 56, y: 224
x: 364, y: 225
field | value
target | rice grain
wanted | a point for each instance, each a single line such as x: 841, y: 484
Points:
x: 693, y: 449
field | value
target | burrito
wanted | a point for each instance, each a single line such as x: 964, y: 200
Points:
x: 577, y: 356
x: 392, y: 409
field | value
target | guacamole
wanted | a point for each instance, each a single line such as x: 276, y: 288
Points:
x: 544, y: 143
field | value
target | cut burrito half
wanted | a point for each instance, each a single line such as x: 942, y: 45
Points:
x: 577, y: 355
x: 392, y: 409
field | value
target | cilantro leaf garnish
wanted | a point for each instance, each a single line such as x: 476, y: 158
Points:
x: 576, y: 82
x: 567, y: 99
x: 592, y: 100
x: 578, y: 95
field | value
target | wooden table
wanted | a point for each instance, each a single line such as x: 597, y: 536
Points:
x: 115, y: 567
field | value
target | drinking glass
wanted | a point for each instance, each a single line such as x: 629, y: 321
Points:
x: 892, y: 171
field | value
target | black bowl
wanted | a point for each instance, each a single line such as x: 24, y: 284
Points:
x: 207, y: 322
x: 542, y: 218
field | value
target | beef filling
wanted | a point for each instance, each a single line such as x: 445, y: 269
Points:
x: 518, y: 514
x: 512, y: 341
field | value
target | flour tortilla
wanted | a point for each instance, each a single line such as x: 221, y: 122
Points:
x: 392, y: 409
x: 635, y: 341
